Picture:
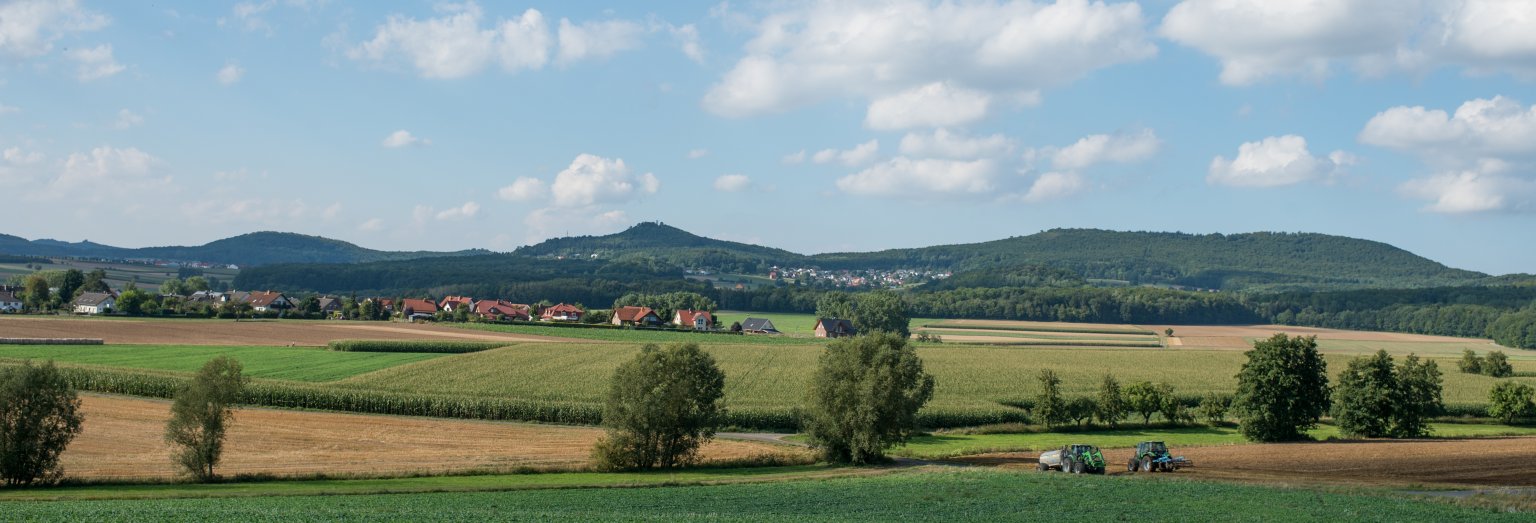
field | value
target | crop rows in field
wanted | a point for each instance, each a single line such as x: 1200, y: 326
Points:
x: 640, y: 336
x: 1040, y: 328
x: 309, y: 364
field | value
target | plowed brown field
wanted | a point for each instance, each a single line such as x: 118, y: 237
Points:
x: 122, y: 438
x: 1482, y: 462
x: 230, y: 332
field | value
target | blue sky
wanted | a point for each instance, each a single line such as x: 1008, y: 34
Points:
x: 809, y: 126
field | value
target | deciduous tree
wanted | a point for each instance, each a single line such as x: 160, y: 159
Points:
x: 1050, y: 408
x: 1111, y: 401
x: 1510, y: 400
x: 864, y: 398
x: 661, y: 406
x: 1145, y: 399
x: 39, y: 416
x: 201, y: 414
x: 1282, y: 390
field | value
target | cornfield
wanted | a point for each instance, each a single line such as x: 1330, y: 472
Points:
x: 414, y: 346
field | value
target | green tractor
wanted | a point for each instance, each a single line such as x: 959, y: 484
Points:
x: 1077, y: 459
x: 1153, y: 456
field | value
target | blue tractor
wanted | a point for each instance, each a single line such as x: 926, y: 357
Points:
x: 1153, y: 456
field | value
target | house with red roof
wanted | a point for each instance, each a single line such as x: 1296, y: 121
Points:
x: 454, y: 303
x: 413, y: 308
x: 562, y: 312
x: 636, y: 316
x: 268, y: 301
x: 696, y: 320
x: 501, y: 310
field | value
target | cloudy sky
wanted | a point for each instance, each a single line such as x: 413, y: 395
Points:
x: 810, y: 126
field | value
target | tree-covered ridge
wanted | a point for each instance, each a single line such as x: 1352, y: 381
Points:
x: 257, y: 248
x: 668, y: 244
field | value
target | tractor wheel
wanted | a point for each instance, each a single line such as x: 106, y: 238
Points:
x: 1066, y: 465
x: 1146, y: 465
x: 1077, y: 467
x: 1131, y: 467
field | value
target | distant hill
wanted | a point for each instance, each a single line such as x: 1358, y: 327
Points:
x: 668, y: 244
x: 257, y: 248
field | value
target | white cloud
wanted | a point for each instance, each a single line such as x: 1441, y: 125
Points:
x: 462, y: 212
x: 797, y: 157
x: 230, y: 74
x: 29, y: 28
x: 858, y: 155
x: 1054, y: 186
x: 267, y: 211
x: 1274, y: 162
x: 592, y: 179
x: 1496, y: 127
x: 687, y: 37
x: 524, y: 189
x: 332, y: 211
x: 811, y: 52
x: 1482, y: 189
x: 733, y: 183
x: 454, y: 45
x: 553, y: 221
x: 18, y: 156
x: 938, y: 104
x: 596, y: 39
x: 903, y: 176
x: 1101, y: 148
x: 697, y: 153
x: 371, y: 225
x: 105, y: 174
x: 946, y: 144
x: 95, y: 63
x: 8, y: 109
x: 1258, y: 39
x: 128, y: 119
x: 403, y: 138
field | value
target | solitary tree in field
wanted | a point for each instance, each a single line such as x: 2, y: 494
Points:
x: 200, y: 415
x: 864, y: 398
x: 661, y: 407
x: 39, y: 416
x: 1050, y: 408
x: 1111, y: 401
x: 1496, y: 364
x: 1282, y: 391
x: 1470, y: 362
x: 1509, y: 400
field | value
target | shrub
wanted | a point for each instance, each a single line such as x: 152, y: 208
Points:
x: 1470, y: 363
x: 661, y: 406
x: 1282, y: 390
x: 1213, y: 408
x: 200, y: 414
x: 1496, y: 364
x: 39, y: 416
x: 1510, y: 400
x: 864, y: 398
x: 431, y: 347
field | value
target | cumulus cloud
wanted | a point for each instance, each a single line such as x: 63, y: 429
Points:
x: 598, y: 39
x: 1482, y: 154
x: 966, y: 55
x: 592, y: 179
x: 797, y: 157
x: 29, y: 28
x: 462, y: 212
x: 733, y: 183
x: 1054, y: 186
x: 455, y: 45
x: 230, y: 74
x: 697, y: 153
x: 858, y: 155
x: 102, y: 174
x: 524, y: 189
x: 1105, y: 148
x: 128, y: 119
x: 947, y: 144
x: 403, y: 138
x: 1258, y: 39
x: 903, y: 176
x: 938, y: 104
x: 1276, y: 161
x: 555, y: 221
x: 95, y: 63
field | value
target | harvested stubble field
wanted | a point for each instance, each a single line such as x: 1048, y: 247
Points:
x: 122, y: 439
x: 1481, y: 462
x: 230, y: 332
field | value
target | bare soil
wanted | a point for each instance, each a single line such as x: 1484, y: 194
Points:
x: 1501, y: 462
x: 230, y: 332
x: 123, y: 439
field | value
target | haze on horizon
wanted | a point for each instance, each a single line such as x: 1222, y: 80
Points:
x: 808, y: 126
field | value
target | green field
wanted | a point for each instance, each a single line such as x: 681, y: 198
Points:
x: 951, y: 444
x: 308, y: 364
x: 637, y: 336
x: 926, y: 494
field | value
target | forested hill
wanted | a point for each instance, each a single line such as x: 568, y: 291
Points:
x: 668, y: 244
x: 258, y: 248
x: 1218, y: 261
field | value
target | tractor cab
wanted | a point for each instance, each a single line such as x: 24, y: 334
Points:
x: 1155, y: 449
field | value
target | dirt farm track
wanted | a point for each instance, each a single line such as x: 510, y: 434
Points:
x: 1465, y: 462
x: 230, y: 332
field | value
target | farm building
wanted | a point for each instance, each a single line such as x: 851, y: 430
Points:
x: 498, y: 310
x: 636, y: 316
x: 758, y: 326
x: 453, y: 303
x: 268, y: 301
x: 696, y: 320
x: 562, y: 312
x: 329, y: 305
x: 94, y: 303
x: 9, y: 302
x: 412, y: 308
x: 833, y: 328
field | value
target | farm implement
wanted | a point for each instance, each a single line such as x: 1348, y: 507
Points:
x: 1076, y: 459
x: 1153, y: 456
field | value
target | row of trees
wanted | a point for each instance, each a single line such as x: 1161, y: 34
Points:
x: 40, y: 415
x: 1114, y: 403
x: 1495, y: 364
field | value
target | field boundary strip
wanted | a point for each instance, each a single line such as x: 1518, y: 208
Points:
x: 1016, y: 328
x: 52, y: 341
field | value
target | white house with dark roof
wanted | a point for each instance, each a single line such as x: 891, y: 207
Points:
x: 94, y: 303
x: 9, y: 301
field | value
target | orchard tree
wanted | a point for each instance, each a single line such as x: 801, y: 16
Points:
x: 1111, y: 401
x: 1050, y: 408
x: 1213, y: 408
x: 1419, y: 392
x: 1282, y: 390
x: 200, y: 416
x: 864, y: 398
x: 1510, y: 400
x: 661, y: 406
x: 1145, y: 399
x: 39, y: 416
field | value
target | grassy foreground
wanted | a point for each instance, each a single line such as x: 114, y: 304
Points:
x: 309, y: 364
x: 923, y: 494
